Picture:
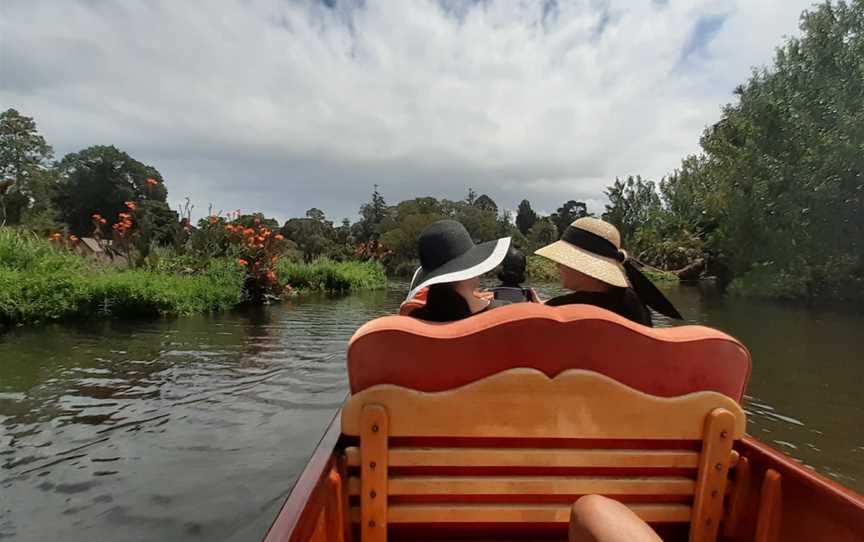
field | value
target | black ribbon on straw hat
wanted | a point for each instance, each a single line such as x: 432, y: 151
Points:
x: 642, y: 285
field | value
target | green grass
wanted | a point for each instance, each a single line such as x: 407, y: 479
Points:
x: 40, y: 282
x: 327, y: 275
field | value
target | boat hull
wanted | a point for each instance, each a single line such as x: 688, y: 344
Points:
x: 773, y: 498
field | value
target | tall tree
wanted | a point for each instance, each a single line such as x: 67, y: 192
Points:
x: 485, y: 203
x: 633, y: 203
x: 26, y: 180
x: 372, y: 214
x: 100, y: 180
x: 567, y: 213
x: 525, y: 217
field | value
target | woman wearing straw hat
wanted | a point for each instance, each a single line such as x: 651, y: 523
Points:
x: 450, y: 266
x: 592, y: 264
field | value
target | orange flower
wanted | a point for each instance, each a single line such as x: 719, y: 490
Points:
x: 242, y: 262
x: 131, y: 205
x: 55, y: 237
x: 73, y: 238
x: 229, y: 228
x: 152, y: 182
x: 214, y: 219
x: 279, y: 237
x: 248, y: 232
x: 271, y: 276
x: 274, y: 259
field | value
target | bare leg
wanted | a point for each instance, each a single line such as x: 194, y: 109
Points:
x: 598, y: 519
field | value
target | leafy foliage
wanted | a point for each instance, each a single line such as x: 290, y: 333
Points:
x: 26, y: 180
x: 778, y: 190
x: 525, y: 217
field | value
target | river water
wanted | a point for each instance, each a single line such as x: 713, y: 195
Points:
x: 195, y: 428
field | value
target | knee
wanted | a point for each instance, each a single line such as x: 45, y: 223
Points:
x: 599, y: 519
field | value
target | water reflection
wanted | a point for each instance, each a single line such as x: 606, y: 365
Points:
x: 194, y: 429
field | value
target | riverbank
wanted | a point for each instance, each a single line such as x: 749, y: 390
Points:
x: 40, y: 282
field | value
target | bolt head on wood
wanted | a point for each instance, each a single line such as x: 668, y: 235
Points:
x: 375, y: 428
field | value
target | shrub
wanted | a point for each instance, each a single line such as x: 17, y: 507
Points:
x: 332, y: 276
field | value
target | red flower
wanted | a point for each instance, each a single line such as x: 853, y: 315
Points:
x: 131, y: 205
x: 152, y: 182
x: 242, y: 262
x: 279, y: 237
x: 271, y: 276
x: 102, y: 221
x: 214, y: 219
x: 257, y: 220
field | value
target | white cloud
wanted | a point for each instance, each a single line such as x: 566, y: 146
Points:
x: 281, y: 105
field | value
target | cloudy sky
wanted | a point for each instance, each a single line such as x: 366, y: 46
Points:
x: 281, y: 105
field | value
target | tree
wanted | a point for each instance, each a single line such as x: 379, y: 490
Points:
x: 372, y: 215
x: 472, y: 196
x: 567, y: 213
x: 313, y: 235
x: 485, y: 203
x: 26, y: 180
x: 632, y: 204
x: 525, y: 217
x: 101, y: 180
x: 542, y: 233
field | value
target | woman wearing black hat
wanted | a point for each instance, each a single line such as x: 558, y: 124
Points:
x: 450, y: 266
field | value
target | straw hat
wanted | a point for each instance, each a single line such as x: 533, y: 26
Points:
x: 598, y: 253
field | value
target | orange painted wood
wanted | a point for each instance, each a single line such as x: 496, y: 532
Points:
x: 768, y: 522
x: 517, y: 513
x: 374, y: 427
x: 335, y: 511
x: 738, y: 500
x: 713, y: 472
x: 320, y: 533
x: 432, y: 357
x: 521, y: 403
x: 814, y: 507
x: 532, y: 457
x: 533, y: 485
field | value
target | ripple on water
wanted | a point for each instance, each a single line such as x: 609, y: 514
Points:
x: 195, y: 428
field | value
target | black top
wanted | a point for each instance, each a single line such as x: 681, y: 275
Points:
x: 444, y: 304
x: 622, y: 301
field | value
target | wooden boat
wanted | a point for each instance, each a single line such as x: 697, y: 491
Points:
x: 490, y: 428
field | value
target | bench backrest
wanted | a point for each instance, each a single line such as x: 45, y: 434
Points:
x: 517, y: 448
x: 661, y: 361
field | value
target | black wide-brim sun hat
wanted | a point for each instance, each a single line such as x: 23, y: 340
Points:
x: 448, y: 254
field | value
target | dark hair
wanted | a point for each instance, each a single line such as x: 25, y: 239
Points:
x: 512, y: 272
x: 443, y: 304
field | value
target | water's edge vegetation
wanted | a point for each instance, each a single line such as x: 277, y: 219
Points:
x: 40, y: 282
